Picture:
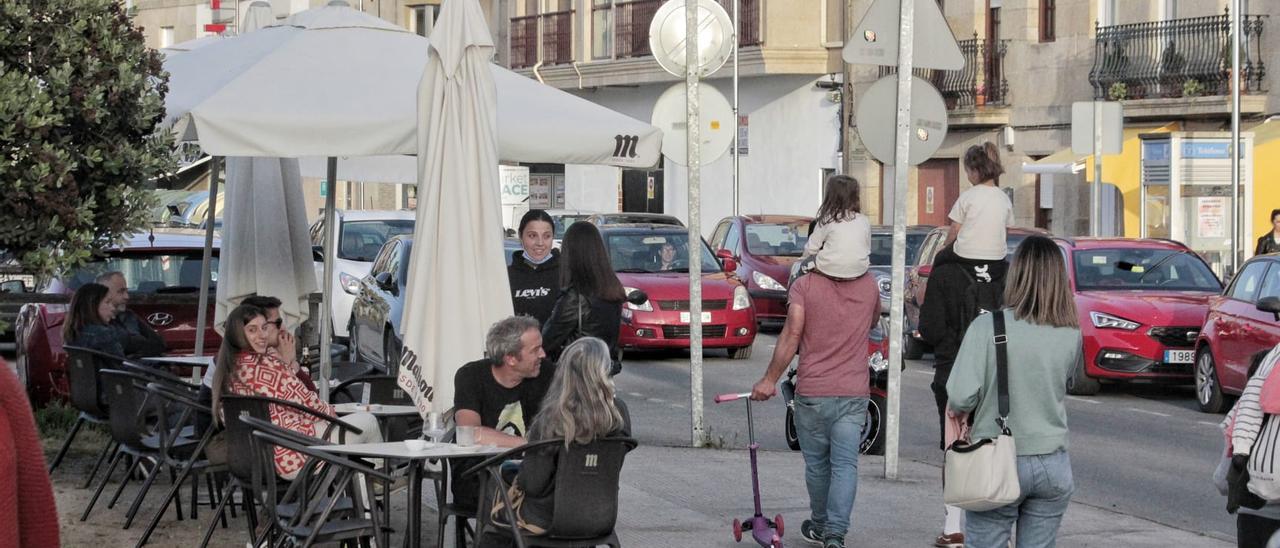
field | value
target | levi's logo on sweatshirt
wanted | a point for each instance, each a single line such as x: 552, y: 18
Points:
x: 533, y: 293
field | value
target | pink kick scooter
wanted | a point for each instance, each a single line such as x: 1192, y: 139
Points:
x: 766, y: 533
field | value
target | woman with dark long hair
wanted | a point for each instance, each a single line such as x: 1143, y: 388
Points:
x: 591, y: 301
x: 534, y: 273
x: 1043, y: 345
x: 88, y: 322
x: 245, y: 367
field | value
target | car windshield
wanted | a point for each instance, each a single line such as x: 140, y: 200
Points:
x: 148, y: 273
x: 361, y: 240
x: 650, y: 252
x: 777, y: 239
x: 882, y: 247
x: 639, y: 219
x: 1164, y: 269
x: 564, y: 221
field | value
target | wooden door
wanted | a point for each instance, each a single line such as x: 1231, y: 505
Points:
x: 938, y: 187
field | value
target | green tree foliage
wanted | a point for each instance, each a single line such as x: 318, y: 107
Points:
x: 80, y: 98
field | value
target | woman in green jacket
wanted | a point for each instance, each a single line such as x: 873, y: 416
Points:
x: 1044, y: 344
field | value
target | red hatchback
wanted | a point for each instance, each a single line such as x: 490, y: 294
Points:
x: 1141, y: 304
x: 638, y: 253
x: 1243, y: 322
x: 763, y: 247
x: 163, y: 272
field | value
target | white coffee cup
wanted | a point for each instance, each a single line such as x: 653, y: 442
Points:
x: 416, y: 445
x: 466, y: 436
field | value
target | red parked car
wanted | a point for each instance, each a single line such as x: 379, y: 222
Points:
x: 1141, y: 304
x: 729, y: 320
x: 1242, y: 322
x: 163, y: 272
x: 763, y: 247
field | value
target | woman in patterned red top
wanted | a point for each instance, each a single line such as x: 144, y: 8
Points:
x: 246, y: 365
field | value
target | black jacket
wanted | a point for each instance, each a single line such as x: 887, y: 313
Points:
x: 137, y: 338
x: 941, y: 324
x: 1266, y: 244
x: 534, y: 287
x: 599, y: 318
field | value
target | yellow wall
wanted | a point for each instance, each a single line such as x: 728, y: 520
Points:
x: 1125, y: 171
x: 1266, y: 171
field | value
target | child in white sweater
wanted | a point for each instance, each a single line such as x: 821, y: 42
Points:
x: 981, y: 215
x: 841, y: 239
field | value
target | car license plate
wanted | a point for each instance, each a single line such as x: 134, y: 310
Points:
x: 686, y: 318
x: 1179, y: 356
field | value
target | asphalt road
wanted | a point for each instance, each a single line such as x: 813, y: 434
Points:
x: 1141, y: 450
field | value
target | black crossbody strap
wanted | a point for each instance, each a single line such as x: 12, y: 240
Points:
x: 1002, y: 365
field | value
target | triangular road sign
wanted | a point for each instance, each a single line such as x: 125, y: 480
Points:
x: 875, y: 40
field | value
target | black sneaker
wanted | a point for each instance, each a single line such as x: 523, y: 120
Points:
x: 810, y: 532
x: 833, y: 542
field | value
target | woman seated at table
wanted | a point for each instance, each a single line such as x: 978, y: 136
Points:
x: 88, y: 321
x: 245, y: 367
x: 581, y: 406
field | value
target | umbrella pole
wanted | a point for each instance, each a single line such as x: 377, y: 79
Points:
x: 202, y: 314
x: 330, y: 235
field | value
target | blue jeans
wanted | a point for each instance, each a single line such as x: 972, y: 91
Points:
x: 830, y: 430
x: 1046, y: 491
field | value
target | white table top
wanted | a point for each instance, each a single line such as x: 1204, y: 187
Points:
x: 376, y: 409
x: 398, y: 450
x: 205, y: 361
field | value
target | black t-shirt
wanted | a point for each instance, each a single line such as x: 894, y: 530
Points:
x: 507, y: 410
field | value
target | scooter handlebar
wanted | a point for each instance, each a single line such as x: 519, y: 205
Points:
x: 731, y: 397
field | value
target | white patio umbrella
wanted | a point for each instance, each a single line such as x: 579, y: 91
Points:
x: 332, y: 81
x: 450, y: 300
x: 266, y: 246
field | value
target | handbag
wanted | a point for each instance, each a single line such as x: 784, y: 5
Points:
x: 983, y: 475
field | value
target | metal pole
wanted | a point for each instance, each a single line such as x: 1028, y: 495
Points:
x: 206, y: 266
x: 737, y: 121
x: 330, y: 239
x: 1095, y: 198
x: 906, y: 34
x: 693, y: 119
x: 1237, y: 222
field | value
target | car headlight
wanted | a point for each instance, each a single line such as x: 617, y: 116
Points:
x: 741, y: 301
x: 1107, y: 321
x: 643, y: 307
x: 349, y: 283
x: 764, y: 281
x: 885, y: 285
x: 877, y: 362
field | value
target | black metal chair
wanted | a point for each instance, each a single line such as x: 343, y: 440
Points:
x: 190, y: 460
x: 239, y: 439
x: 446, y: 510
x: 134, y: 438
x: 383, y: 389
x: 585, y: 495
x: 331, y: 500
x: 83, y: 365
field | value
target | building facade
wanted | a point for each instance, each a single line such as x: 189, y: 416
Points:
x: 1166, y: 61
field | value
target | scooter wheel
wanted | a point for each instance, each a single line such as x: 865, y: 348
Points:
x: 777, y: 524
x: 737, y: 530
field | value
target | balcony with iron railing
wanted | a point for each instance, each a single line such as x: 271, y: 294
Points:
x: 1176, y: 61
x: 549, y: 33
x: 633, y: 19
x: 980, y: 86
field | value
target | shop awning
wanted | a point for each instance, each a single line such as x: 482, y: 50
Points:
x: 1063, y: 161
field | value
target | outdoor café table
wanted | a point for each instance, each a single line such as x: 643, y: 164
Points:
x: 398, y: 450
x: 194, y: 361
x: 381, y: 412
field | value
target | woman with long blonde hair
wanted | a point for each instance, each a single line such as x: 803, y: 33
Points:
x: 1043, y: 346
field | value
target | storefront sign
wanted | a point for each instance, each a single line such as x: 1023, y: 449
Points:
x: 515, y: 184
x: 1206, y: 151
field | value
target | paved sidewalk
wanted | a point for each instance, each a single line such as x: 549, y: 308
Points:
x: 688, y: 498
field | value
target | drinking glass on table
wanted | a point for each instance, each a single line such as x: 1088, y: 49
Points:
x: 433, y: 427
x: 466, y: 436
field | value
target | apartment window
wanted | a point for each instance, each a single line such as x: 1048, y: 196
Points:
x: 166, y: 37
x: 422, y: 19
x: 601, y: 29
x: 1048, y: 20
